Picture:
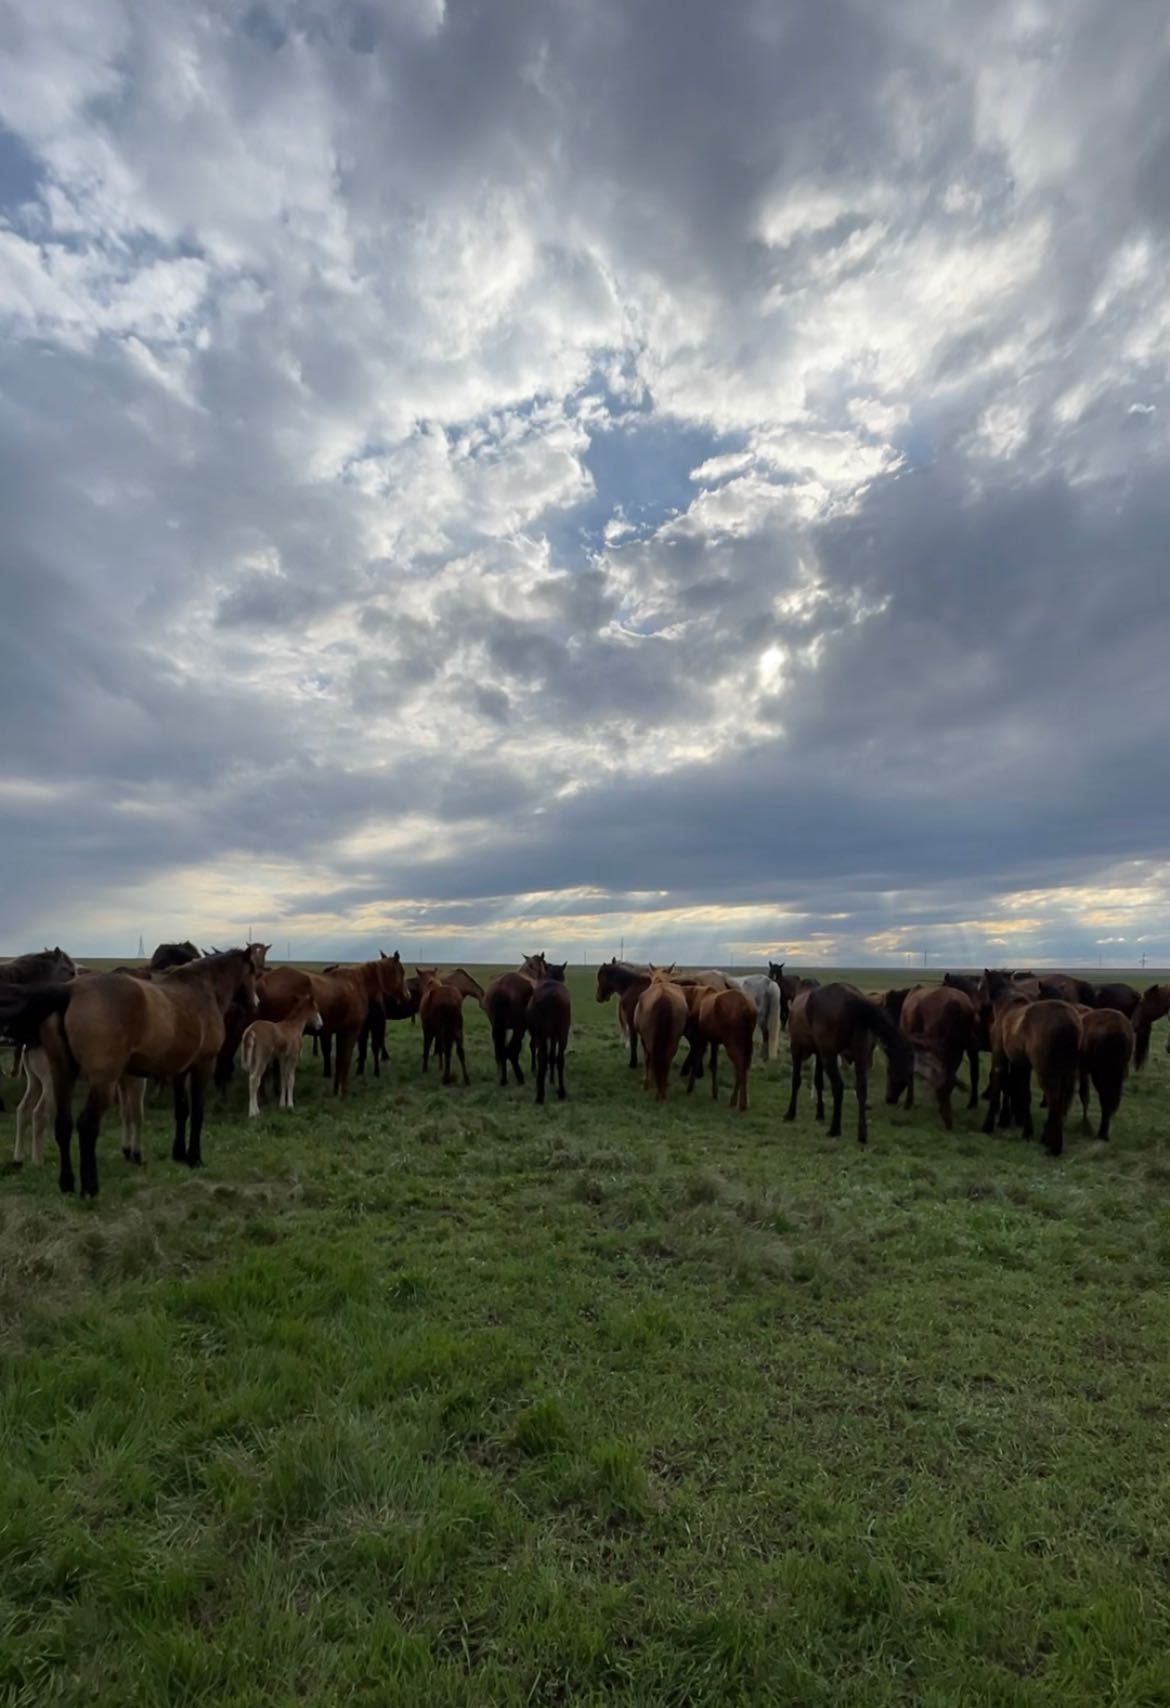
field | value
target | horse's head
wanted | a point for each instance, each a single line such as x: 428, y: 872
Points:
x: 534, y: 966
x: 250, y: 968
x: 427, y: 977
x: 605, y: 984
x: 661, y: 975
x: 555, y: 973
x: 261, y: 950
x: 392, y: 976
x: 776, y: 971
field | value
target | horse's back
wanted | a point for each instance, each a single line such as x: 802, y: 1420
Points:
x: 116, y: 1023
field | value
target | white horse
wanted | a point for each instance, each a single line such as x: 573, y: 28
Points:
x: 38, y: 1106
x: 765, y: 993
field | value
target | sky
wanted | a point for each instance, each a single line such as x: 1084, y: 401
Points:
x: 484, y: 477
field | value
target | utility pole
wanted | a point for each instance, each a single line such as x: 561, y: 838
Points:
x: 141, y: 945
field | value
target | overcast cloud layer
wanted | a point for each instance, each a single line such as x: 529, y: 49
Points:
x: 478, y: 477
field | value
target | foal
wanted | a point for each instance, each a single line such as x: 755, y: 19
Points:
x: 279, y: 1041
x: 440, y: 1008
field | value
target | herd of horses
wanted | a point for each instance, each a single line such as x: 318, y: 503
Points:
x: 184, y: 1017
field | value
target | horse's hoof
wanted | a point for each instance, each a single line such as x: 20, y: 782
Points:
x: 194, y: 1162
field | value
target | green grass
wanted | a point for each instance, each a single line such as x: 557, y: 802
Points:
x: 441, y: 1398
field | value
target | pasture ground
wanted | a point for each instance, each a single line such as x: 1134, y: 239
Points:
x: 440, y: 1398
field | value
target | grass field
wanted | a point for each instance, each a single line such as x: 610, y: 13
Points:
x: 439, y: 1398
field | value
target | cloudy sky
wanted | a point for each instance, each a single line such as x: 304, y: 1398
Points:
x: 517, y: 473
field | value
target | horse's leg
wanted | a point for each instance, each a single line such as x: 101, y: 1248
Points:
x: 514, y: 1052
x: 448, y: 1047
x: 560, y: 1070
x: 861, y: 1089
x: 715, y: 1069
x: 132, y: 1098
x: 462, y: 1057
x: 797, y: 1072
x: 992, y: 1094
x: 182, y: 1110
x: 428, y: 1040
x: 973, y: 1066
x: 256, y: 1075
x: 27, y: 1111
x: 1023, y: 1099
x: 819, y: 1085
x: 1108, y: 1096
x: 288, y: 1076
x: 1083, y: 1090
x: 88, y: 1127
x: 833, y: 1068
x: 198, y: 1091
x: 541, y: 1066
x: 327, y: 1054
x: 634, y: 1045
x: 363, y: 1046
x: 344, y: 1042
x: 378, y: 1038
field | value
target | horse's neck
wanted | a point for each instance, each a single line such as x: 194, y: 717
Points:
x: 220, y: 981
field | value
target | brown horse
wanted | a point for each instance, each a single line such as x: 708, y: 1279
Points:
x: 440, y: 1010
x: 660, y: 1019
x: 1041, y: 1037
x: 169, y: 955
x: 550, y: 1016
x: 1107, y: 1044
x: 942, y: 1025
x: 108, y: 1025
x: 505, y: 1002
x: 615, y: 978
x: 726, y: 1017
x: 835, y: 1020
x: 342, y: 998
x: 1155, y: 1001
x: 1064, y: 987
x: 1123, y: 997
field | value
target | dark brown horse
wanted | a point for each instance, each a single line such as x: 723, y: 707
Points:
x: 108, y: 1025
x: 1041, y: 1037
x: 550, y: 1016
x: 1155, y: 1001
x: 726, y: 1017
x: 1066, y: 987
x: 1123, y: 997
x: 835, y: 1020
x: 1107, y: 1044
x: 440, y: 1010
x: 616, y: 978
x: 791, y: 985
x: 169, y: 955
x: 505, y: 1002
x: 942, y: 1024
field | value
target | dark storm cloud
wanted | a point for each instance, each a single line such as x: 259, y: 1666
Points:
x: 636, y: 448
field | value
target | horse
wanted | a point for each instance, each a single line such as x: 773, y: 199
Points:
x: 1123, y: 997
x: 614, y: 978
x: 835, y: 1020
x: 343, y: 999
x: 169, y: 955
x: 108, y: 1025
x: 1155, y: 1001
x: 765, y: 993
x: 727, y: 1017
x: 1064, y: 987
x: 505, y: 1002
x: 942, y: 1025
x: 41, y: 966
x: 660, y: 1019
x: 550, y: 1015
x: 37, y: 1108
x: 790, y: 987
x: 1041, y: 1036
x: 268, y: 1042
x: 1107, y: 1044
x: 441, y: 1011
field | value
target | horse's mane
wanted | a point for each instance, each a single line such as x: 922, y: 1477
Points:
x: 169, y: 955
x: 204, y: 965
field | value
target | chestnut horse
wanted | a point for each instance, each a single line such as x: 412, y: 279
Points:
x: 1041, y: 1037
x: 726, y: 1017
x: 942, y: 1024
x: 342, y: 999
x: 1155, y: 1001
x: 107, y: 1025
x: 835, y: 1020
x: 1107, y: 1043
x: 440, y: 1010
x: 660, y: 1019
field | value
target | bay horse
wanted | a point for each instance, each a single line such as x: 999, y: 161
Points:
x: 343, y: 999
x: 1107, y: 1045
x: 107, y: 1025
x: 550, y: 1016
x: 1064, y: 987
x: 726, y: 1017
x: 1123, y: 997
x: 440, y: 1010
x: 1155, y: 1001
x: 505, y: 1002
x: 942, y: 1024
x: 1041, y: 1037
x: 660, y: 1019
x: 835, y: 1020
x: 41, y: 966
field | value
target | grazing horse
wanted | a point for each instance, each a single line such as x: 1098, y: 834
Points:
x: 505, y: 1002
x: 765, y: 993
x: 790, y: 987
x: 835, y: 1020
x: 942, y: 1025
x: 276, y: 1042
x: 109, y: 1025
x: 441, y: 1011
x: 1107, y: 1043
x: 726, y: 1017
x: 550, y: 1015
x: 660, y: 1019
x: 1041, y: 1037
x: 1155, y: 1001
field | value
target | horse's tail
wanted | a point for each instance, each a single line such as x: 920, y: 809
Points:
x: 772, y: 1021
x: 24, y: 1008
x: 1141, y: 1046
x: 747, y: 1035
x: 248, y: 1050
x: 898, y: 1048
x: 660, y: 1052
